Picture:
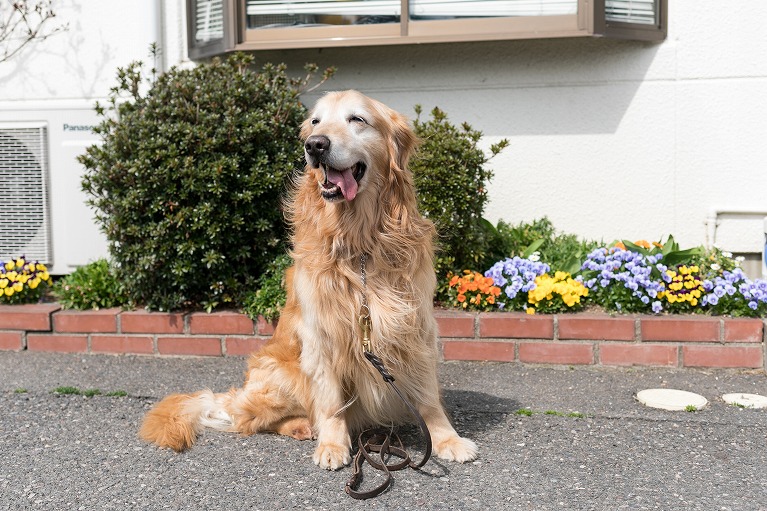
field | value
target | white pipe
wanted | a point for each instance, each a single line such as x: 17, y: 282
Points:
x: 712, y: 220
x: 764, y: 251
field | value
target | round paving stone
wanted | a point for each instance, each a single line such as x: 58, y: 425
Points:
x: 671, y: 399
x: 746, y: 400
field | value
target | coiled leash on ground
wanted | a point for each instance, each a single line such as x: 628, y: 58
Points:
x: 379, y: 441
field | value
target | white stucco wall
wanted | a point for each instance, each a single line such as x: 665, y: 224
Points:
x: 610, y: 139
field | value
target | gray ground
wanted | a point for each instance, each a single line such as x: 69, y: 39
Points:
x: 74, y: 452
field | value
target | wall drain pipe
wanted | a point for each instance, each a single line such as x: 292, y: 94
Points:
x: 712, y: 222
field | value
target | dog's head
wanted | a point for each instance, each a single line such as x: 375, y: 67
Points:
x: 353, y: 142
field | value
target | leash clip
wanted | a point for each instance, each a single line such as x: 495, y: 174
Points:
x: 365, y: 325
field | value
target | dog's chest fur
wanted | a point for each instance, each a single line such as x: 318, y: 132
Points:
x: 331, y: 338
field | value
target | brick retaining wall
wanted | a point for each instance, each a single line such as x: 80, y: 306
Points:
x: 568, y: 339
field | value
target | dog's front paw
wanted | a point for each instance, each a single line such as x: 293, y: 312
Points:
x: 332, y: 456
x: 457, y: 449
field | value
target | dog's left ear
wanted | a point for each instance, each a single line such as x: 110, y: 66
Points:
x: 403, y: 140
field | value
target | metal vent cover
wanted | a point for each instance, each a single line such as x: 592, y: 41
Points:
x: 24, y: 217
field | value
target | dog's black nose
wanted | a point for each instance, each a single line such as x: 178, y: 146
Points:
x: 316, y: 145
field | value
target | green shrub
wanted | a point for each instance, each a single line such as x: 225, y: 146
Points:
x: 561, y: 251
x: 271, y: 294
x: 451, y: 177
x: 93, y: 286
x: 187, y: 182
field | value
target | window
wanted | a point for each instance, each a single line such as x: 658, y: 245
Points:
x: 217, y: 26
x: 209, y: 25
x: 632, y: 19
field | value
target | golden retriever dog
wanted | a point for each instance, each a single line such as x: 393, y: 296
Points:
x: 355, y: 202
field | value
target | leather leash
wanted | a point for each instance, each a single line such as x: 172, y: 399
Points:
x: 379, y: 441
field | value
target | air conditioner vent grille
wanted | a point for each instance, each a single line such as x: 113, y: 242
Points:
x: 24, y: 223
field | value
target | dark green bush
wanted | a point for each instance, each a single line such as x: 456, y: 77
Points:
x: 93, y: 286
x: 187, y: 182
x: 452, y: 178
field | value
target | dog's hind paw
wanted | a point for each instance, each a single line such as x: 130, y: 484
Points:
x: 332, y: 456
x: 297, y: 427
x: 457, y: 449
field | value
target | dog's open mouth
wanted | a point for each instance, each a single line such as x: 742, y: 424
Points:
x: 343, y: 183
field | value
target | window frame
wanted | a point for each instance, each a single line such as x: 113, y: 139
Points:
x: 231, y: 31
x: 634, y: 31
x: 588, y: 21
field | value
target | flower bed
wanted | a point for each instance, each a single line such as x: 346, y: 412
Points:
x: 565, y: 339
x: 626, y: 278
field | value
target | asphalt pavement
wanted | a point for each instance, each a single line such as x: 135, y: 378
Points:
x: 549, y: 438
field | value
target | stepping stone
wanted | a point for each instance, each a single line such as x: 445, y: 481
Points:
x: 746, y: 400
x: 671, y: 399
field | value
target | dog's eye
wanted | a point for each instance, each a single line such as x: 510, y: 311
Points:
x: 357, y: 118
x: 315, y: 121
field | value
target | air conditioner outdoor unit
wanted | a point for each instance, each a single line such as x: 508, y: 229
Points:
x: 43, y: 210
x: 24, y: 197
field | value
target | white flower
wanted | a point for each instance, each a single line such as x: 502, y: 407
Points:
x: 728, y: 255
x: 716, y: 267
x: 535, y: 257
x: 740, y: 259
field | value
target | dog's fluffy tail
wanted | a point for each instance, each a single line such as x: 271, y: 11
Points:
x: 177, y: 420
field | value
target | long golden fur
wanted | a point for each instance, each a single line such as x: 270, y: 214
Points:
x: 311, y: 380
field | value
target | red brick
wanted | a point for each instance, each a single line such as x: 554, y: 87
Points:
x: 220, y: 323
x: 27, y: 317
x: 680, y: 329
x: 596, y: 327
x: 122, y: 344
x: 556, y: 353
x: 238, y: 346
x: 743, y: 330
x: 208, y: 346
x: 90, y: 321
x: 750, y: 357
x: 145, y: 322
x: 512, y: 325
x: 455, y: 324
x: 59, y: 343
x: 265, y: 327
x: 638, y: 354
x: 478, y: 350
x: 12, y: 341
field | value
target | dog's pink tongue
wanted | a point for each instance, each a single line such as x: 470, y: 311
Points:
x: 344, y: 179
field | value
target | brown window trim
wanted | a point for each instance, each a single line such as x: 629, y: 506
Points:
x: 589, y: 21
